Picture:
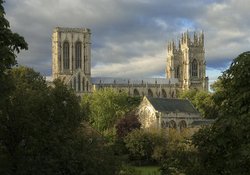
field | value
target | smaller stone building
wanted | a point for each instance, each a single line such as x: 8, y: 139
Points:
x: 167, y: 113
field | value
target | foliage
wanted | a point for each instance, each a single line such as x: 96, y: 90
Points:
x: 224, y: 148
x: 179, y: 155
x: 141, y: 144
x: 127, y: 124
x: 106, y: 106
x: 127, y: 170
x: 10, y: 43
x: 41, y: 131
x: 148, y: 170
x: 203, y: 101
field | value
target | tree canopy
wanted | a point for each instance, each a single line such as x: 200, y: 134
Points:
x: 10, y: 44
x: 225, y: 147
x: 106, y: 106
x: 127, y: 124
x: 203, y: 101
x: 41, y: 131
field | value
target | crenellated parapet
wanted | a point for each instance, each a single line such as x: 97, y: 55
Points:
x: 75, y: 30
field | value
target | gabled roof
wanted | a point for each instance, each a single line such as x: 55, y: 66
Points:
x: 172, y: 105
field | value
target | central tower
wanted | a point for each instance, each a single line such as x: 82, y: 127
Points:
x: 186, y: 62
x: 71, y: 57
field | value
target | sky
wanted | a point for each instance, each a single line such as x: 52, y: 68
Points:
x: 129, y: 37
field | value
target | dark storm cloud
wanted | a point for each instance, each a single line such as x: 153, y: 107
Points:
x: 129, y: 37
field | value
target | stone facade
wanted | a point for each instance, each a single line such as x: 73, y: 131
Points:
x: 71, y: 57
x: 186, y: 62
x: 167, y: 113
x: 71, y: 61
x: 152, y: 87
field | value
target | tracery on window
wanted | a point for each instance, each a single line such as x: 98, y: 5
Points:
x: 79, y: 82
x: 74, y: 83
x: 83, y: 84
x: 178, y: 72
x: 66, y: 55
x: 78, y: 55
x: 194, y: 71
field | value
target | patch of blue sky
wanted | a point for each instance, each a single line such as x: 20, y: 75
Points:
x: 212, y: 1
x: 186, y: 24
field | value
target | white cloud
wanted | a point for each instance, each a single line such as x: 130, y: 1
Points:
x: 129, y: 37
x: 139, y: 67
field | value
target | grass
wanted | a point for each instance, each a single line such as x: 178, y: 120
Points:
x: 147, y: 170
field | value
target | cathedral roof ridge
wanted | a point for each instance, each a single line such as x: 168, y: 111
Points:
x: 125, y: 80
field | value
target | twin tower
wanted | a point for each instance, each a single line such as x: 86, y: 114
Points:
x: 71, y: 57
x: 186, y: 62
x: 71, y: 61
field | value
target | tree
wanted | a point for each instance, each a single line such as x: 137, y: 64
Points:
x: 106, y: 106
x: 34, y: 120
x: 41, y: 131
x: 202, y: 101
x: 141, y: 144
x: 10, y: 43
x: 224, y: 148
x: 178, y: 156
x: 127, y: 124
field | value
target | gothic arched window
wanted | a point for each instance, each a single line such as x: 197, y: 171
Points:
x: 136, y: 92
x: 194, y: 67
x: 87, y: 86
x: 150, y: 93
x: 74, y: 84
x: 79, y: 82
x: 66, y: 55
x: 172, y: 124
x: 78, y: 55
x: 164, y: 94
x: 182, y: 125
x: 178, y: 72
x: 83, y: 84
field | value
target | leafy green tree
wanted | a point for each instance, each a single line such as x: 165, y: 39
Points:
x: 224, y: 148
x: 106, y: 106
x: 41, y: 131
x: 141, y: 144
x: 10, y: 44
x: 202, y: 101
x: 122, y: 128
x: 179, y: 155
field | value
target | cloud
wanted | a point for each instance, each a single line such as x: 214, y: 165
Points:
x: 139, y: 67
x: 129, y: 36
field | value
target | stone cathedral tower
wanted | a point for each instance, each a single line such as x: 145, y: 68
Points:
x: 186, y: 62
x: 71, y: 57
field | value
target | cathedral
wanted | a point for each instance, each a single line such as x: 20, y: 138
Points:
x: 185, y: 66
x: 186, y: 62
x: 71, y: 57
